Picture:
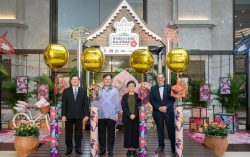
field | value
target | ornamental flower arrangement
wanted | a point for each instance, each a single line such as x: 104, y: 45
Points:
x: 216, y: 129
x: 94, y: 90
x: 143, y: 93
x: 216, y: 138
x: 27, y: 130
x: 57, y: 92
x: 26, y: 139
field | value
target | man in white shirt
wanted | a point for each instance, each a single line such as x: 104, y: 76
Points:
x: 163, y: 111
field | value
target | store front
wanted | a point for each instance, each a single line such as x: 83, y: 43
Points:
x: 121, y: 34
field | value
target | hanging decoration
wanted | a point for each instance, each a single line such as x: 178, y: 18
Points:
x: 142, y: 61
x: 204, y: 92
x: 22, y: 84
x: 93, y: 60
x: 225, y: 85
x: 177, y: 61
x: 55, y: 56
x: 43, y: 91
x: 180, y: 90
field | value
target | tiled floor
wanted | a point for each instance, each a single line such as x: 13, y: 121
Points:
x: 191, y: 148
x: 227, y: 154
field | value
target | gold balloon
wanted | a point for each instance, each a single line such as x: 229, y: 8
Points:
x: 92, y: 59
x: 141, y: 61
x: 177, y: 60
x: 56, y: 56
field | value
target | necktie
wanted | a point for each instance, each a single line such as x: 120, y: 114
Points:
x: 75, y: 93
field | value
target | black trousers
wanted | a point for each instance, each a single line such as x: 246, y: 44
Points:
x: 168, y: 118
x: 109, y: 125
x: 69, y: 125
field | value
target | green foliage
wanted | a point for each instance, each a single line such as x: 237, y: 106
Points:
x: 3, y: 72
x: 237, y: 96
x: 215, y: 129
x: 194, y: 93
x: 153, y: 76
x: 27, y: 130
x: 11, y: 95
x: 73, y: 72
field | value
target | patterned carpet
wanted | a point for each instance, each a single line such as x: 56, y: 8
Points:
x: 8, y: 136
x: 239, y: 137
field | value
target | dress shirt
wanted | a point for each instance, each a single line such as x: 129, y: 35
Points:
x: 161, y: 88
x: 108, y: 103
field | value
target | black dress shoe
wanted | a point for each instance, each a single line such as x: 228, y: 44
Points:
x: 159, y: 149
x: 78, y: 151
x: 111, y: 154
x: 102, y: 153
x: 173, y: 151
x: 69, y: 151
x: 129, y: 152
x: 134, y: 153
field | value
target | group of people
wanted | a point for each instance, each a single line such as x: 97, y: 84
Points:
x: 75, y: 109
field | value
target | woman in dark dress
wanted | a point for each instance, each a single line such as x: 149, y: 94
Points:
x: 130, y: 119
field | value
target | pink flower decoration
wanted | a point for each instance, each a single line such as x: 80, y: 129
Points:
x: 133, y: 43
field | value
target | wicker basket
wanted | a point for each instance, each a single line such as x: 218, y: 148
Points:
x: 44, y: 109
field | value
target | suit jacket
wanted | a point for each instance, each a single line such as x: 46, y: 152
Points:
x: 126, y: 113
x: 155, y: 98
x: 72, y: 108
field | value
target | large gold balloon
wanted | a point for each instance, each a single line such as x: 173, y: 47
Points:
x: 92, y: 59
x: 177, y: 60
x: 56, y: 56
x: 141, y: 61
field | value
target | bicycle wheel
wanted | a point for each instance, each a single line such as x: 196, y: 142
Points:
x: 47, y: 118
x: 20, y: 118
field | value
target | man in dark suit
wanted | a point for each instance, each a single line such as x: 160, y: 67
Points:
x: 163, y: 111
x: 75, y: 109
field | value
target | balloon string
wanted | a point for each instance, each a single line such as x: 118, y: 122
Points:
x: 142, y: 76
x: 93, y: 78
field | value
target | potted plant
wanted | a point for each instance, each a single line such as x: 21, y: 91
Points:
x: 11, y: 96
x: 216, y: 138
x: 231, y: 102
x: 26, y: 140
x: 236, y: 98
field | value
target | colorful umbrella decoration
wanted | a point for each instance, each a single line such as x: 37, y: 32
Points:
x: 5, y: 46
x: 244, y: 46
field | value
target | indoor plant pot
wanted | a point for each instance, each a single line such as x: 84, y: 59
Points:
x: 25, y: 145
x: 217, y: 144
x: 26, y: 140
x: 216, y: 138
